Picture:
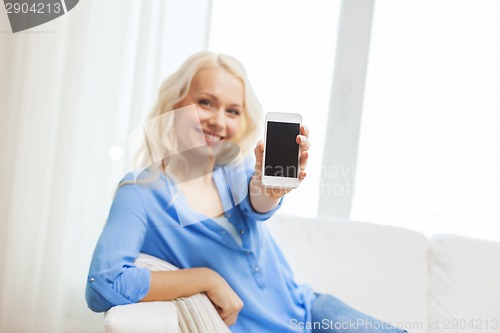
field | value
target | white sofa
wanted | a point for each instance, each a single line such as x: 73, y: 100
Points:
x: 444, y: 284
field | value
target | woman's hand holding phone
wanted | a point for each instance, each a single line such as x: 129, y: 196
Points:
x: 264, y: 198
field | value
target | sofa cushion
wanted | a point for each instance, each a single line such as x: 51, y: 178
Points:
x: 464, y: 273
x: 376, y: 269
x: 151, y: 317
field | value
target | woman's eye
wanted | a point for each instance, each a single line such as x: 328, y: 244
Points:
x: 205, y: 102
x: 234, y: 112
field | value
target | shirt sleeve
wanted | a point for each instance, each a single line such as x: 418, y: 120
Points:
x: 245, y: 205
x: 113, y: 278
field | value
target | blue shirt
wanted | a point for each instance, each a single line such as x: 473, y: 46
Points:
x: 154, y: 218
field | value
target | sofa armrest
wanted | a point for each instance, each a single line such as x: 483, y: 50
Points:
x: 147, y: 317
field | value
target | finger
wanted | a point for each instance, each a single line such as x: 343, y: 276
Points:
x: 227, y: 322
x: 304, y: 130
x: 259, y: 153
x: 304, y: 156
x: 232, y: 320
x: 303, y: 141
x: 302, y: 175
x: 229, y: 319
x: 225, y: 315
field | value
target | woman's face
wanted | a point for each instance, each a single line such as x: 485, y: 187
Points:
x: 219, y: 99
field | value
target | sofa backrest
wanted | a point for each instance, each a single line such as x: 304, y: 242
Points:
x: 464, y: 285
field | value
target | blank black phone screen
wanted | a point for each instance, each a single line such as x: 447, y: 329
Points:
x: 282, y: 150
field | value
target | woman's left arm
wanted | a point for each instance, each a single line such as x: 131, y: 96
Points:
x: 264, y: 199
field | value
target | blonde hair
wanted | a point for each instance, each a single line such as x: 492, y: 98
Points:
x: 176, y: 87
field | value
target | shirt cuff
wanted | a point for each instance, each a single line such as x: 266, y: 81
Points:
x: 248, y: 210
x: 129, y: 287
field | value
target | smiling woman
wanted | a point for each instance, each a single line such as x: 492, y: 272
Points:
x: 172, y: 213
x: 203, y: 215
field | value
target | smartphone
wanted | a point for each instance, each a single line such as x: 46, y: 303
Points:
x: 280, y: 164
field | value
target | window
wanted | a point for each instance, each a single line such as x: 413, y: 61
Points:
x: 288, y: 49
x: 429, y: 147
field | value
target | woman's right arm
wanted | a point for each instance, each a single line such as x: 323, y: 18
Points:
x: 165, y: 286
x: 113, y: 277
x: 115, y: 280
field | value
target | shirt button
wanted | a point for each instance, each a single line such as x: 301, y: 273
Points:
x: 92, y: 279
x: 256, y: 269
x: 228, y: 215
x: 242, y: 232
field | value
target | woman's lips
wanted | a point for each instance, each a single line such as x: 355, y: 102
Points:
x: 210, y: 138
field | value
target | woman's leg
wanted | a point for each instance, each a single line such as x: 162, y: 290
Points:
x: 329, y: 314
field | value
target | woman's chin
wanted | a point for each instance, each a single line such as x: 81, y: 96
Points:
x: 225, y: 152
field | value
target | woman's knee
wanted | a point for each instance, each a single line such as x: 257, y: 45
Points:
x: 333, y: 315
x: 330, y: 308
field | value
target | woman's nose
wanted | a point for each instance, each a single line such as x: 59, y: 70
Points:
x: 217, y: 119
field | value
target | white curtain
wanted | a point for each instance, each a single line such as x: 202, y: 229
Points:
x: 70, y: 91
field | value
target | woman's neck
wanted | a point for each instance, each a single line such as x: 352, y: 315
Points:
x: 195, y: 167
